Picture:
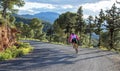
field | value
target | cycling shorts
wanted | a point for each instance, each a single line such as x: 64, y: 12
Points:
x: 74, y: 40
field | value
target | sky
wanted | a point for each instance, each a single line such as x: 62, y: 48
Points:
x: 90, y: 7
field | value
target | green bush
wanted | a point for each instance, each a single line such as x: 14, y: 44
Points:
x: 2, y: 21
x: 15, y: 51
x: 5, y: 56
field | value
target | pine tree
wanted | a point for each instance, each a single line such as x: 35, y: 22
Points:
x: 112, y: 15
x: 37, y: 26
x: 90, y: 28
x: 80, y: 22
x: 7, y: 6
x: 67, y: 21
x: 98, y: 21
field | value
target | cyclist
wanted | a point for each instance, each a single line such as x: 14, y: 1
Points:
x: 74, y: 40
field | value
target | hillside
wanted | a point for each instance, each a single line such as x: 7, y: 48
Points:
x: 46, y: 16
x: 46, y: 24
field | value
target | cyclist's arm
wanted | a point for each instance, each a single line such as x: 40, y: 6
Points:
x: 77, y: 37
x: 70, y: 39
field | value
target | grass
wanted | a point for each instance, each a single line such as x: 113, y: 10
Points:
x: 29, y: 39
x: 103, y: 48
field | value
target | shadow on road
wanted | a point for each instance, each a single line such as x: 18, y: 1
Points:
x: 44, y: 57
x: 38, y: 58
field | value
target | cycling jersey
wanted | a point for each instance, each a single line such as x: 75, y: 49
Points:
x: 73, y: 38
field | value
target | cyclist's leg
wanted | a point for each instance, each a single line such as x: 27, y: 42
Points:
x: 73, y: 44
x: 76, y: 47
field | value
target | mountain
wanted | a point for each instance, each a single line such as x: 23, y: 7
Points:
x: 22, y: 19
x: 46, y: 16
x: 46, y: 25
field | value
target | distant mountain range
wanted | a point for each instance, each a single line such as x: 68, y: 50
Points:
x: 45, y: 16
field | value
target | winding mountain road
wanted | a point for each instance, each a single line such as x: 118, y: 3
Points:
x: 51, y: 57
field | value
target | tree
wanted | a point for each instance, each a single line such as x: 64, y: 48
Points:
x: 90, y: 27
x: 19, y: 26
x: 57, y: 29
x: 111, y: 16
x: 50, y: 33
x: 80, y: 22
x: 105, y: 39
x: 25, y: 30
x: 58, y: 35
x: 66, y: 21
x: 37, y: 26
x: 98, y: 21
x: 12, y: 19
x: 117, y: 40
x: 46, y: 25
x: 31, y: 33
x: 7, y: 6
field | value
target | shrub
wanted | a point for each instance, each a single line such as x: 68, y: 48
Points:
x: 15, y: 51
x: 2, y: 21
x: 5, y: 56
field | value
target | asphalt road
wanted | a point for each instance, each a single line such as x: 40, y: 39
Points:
x: 50, y: 57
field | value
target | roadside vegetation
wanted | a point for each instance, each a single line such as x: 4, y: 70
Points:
x: 15, y: 51
x: 105, y: 26
x: 10, y: 47
x: 12, y: 29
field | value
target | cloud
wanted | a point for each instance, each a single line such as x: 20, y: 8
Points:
x: 85, y: 16
x: 96, y: 7
x: 67, y: 6
x: 118, y: 0
x: 34, y: 7
x: 30, y: 5
x: 89, y: 7
x: 60, y: 2
x: 93, y: 9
